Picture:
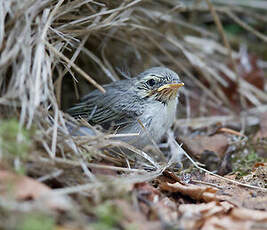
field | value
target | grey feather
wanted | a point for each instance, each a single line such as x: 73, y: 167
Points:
x: 120, y: 105
x: 131, y: 100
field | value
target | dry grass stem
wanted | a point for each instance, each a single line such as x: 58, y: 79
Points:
x: 54, y: 52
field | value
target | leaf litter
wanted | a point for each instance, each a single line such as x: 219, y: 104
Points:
x: 52, y: 52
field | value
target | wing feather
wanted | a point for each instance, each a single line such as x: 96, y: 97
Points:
x: 118, y: 107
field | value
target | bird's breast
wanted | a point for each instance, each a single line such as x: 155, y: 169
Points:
x: 157, y: 118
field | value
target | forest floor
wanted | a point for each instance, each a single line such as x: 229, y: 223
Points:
x: 210, y: 169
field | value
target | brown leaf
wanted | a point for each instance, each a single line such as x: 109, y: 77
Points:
x: 206, y: 209
x: 197, y: 145
x: 248, y: 214
x: 219, y: 215
x: 225, y: 223
x: 194, y: 191
x: 166, y: 210
x: 238, y: 195
x: 135, y: 218
x: 23, y: 188
x: 147, y: 190
x: 194, y: 216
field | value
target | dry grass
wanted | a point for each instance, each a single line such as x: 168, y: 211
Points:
x: 54, y: 51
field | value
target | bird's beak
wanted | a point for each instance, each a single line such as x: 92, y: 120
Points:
x: 172, y: 86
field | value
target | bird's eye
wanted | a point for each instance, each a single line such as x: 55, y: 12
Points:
x: 151, y: 82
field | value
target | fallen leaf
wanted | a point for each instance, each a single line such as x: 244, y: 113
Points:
x: 248, y: 214
x: 23, y: 188
x: 238, y: 195
x: 166, y: 210
x: 217, y: 143
x: 194, y: 216
x: 133, y: 217
x: 225, y: 223
x: 218, y: 216
x: 147, y: 190
x: 196, y: 192
x: 206, y: 209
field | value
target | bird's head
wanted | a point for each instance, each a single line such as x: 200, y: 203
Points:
x: 158, y: 83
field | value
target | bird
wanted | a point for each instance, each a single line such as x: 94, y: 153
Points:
x: 145, y: 104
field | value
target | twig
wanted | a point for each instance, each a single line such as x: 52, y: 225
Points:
x: 180, y: 149
x: 198, y: 82
x: 246, y: 26
x: 230, y: 131
x: 50, y: 176
x: 90, y: 165
x: 50, y: 19
x: 58, y: 82
x: 74, y: 66
x: 206, y: 183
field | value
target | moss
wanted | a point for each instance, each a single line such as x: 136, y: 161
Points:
x: 15, y: 141
x: 243, y: 165
x: 108, y: 215
x: 36, y: 222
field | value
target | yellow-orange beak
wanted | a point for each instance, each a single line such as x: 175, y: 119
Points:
x: 171, y: 86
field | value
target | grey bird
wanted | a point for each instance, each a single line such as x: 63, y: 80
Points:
x: 145, y: 105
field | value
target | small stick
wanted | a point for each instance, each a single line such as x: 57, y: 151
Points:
x: 221, y: 177
x: 74, y: 66
x: 245, y: 26
x: 206, y: 183
x: 91, y: 165
x: 230, y: 131
x: 179, y: 148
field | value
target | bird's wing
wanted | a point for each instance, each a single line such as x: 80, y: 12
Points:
x: 118, y: 107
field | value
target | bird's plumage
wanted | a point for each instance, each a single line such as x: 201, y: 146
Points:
x: 127, y: 103
x: 117, y: 107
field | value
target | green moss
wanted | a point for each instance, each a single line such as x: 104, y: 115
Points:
x: 243, y: 165
x: 15, y: 141
x: 36, y: 222
x: 108, y: 216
